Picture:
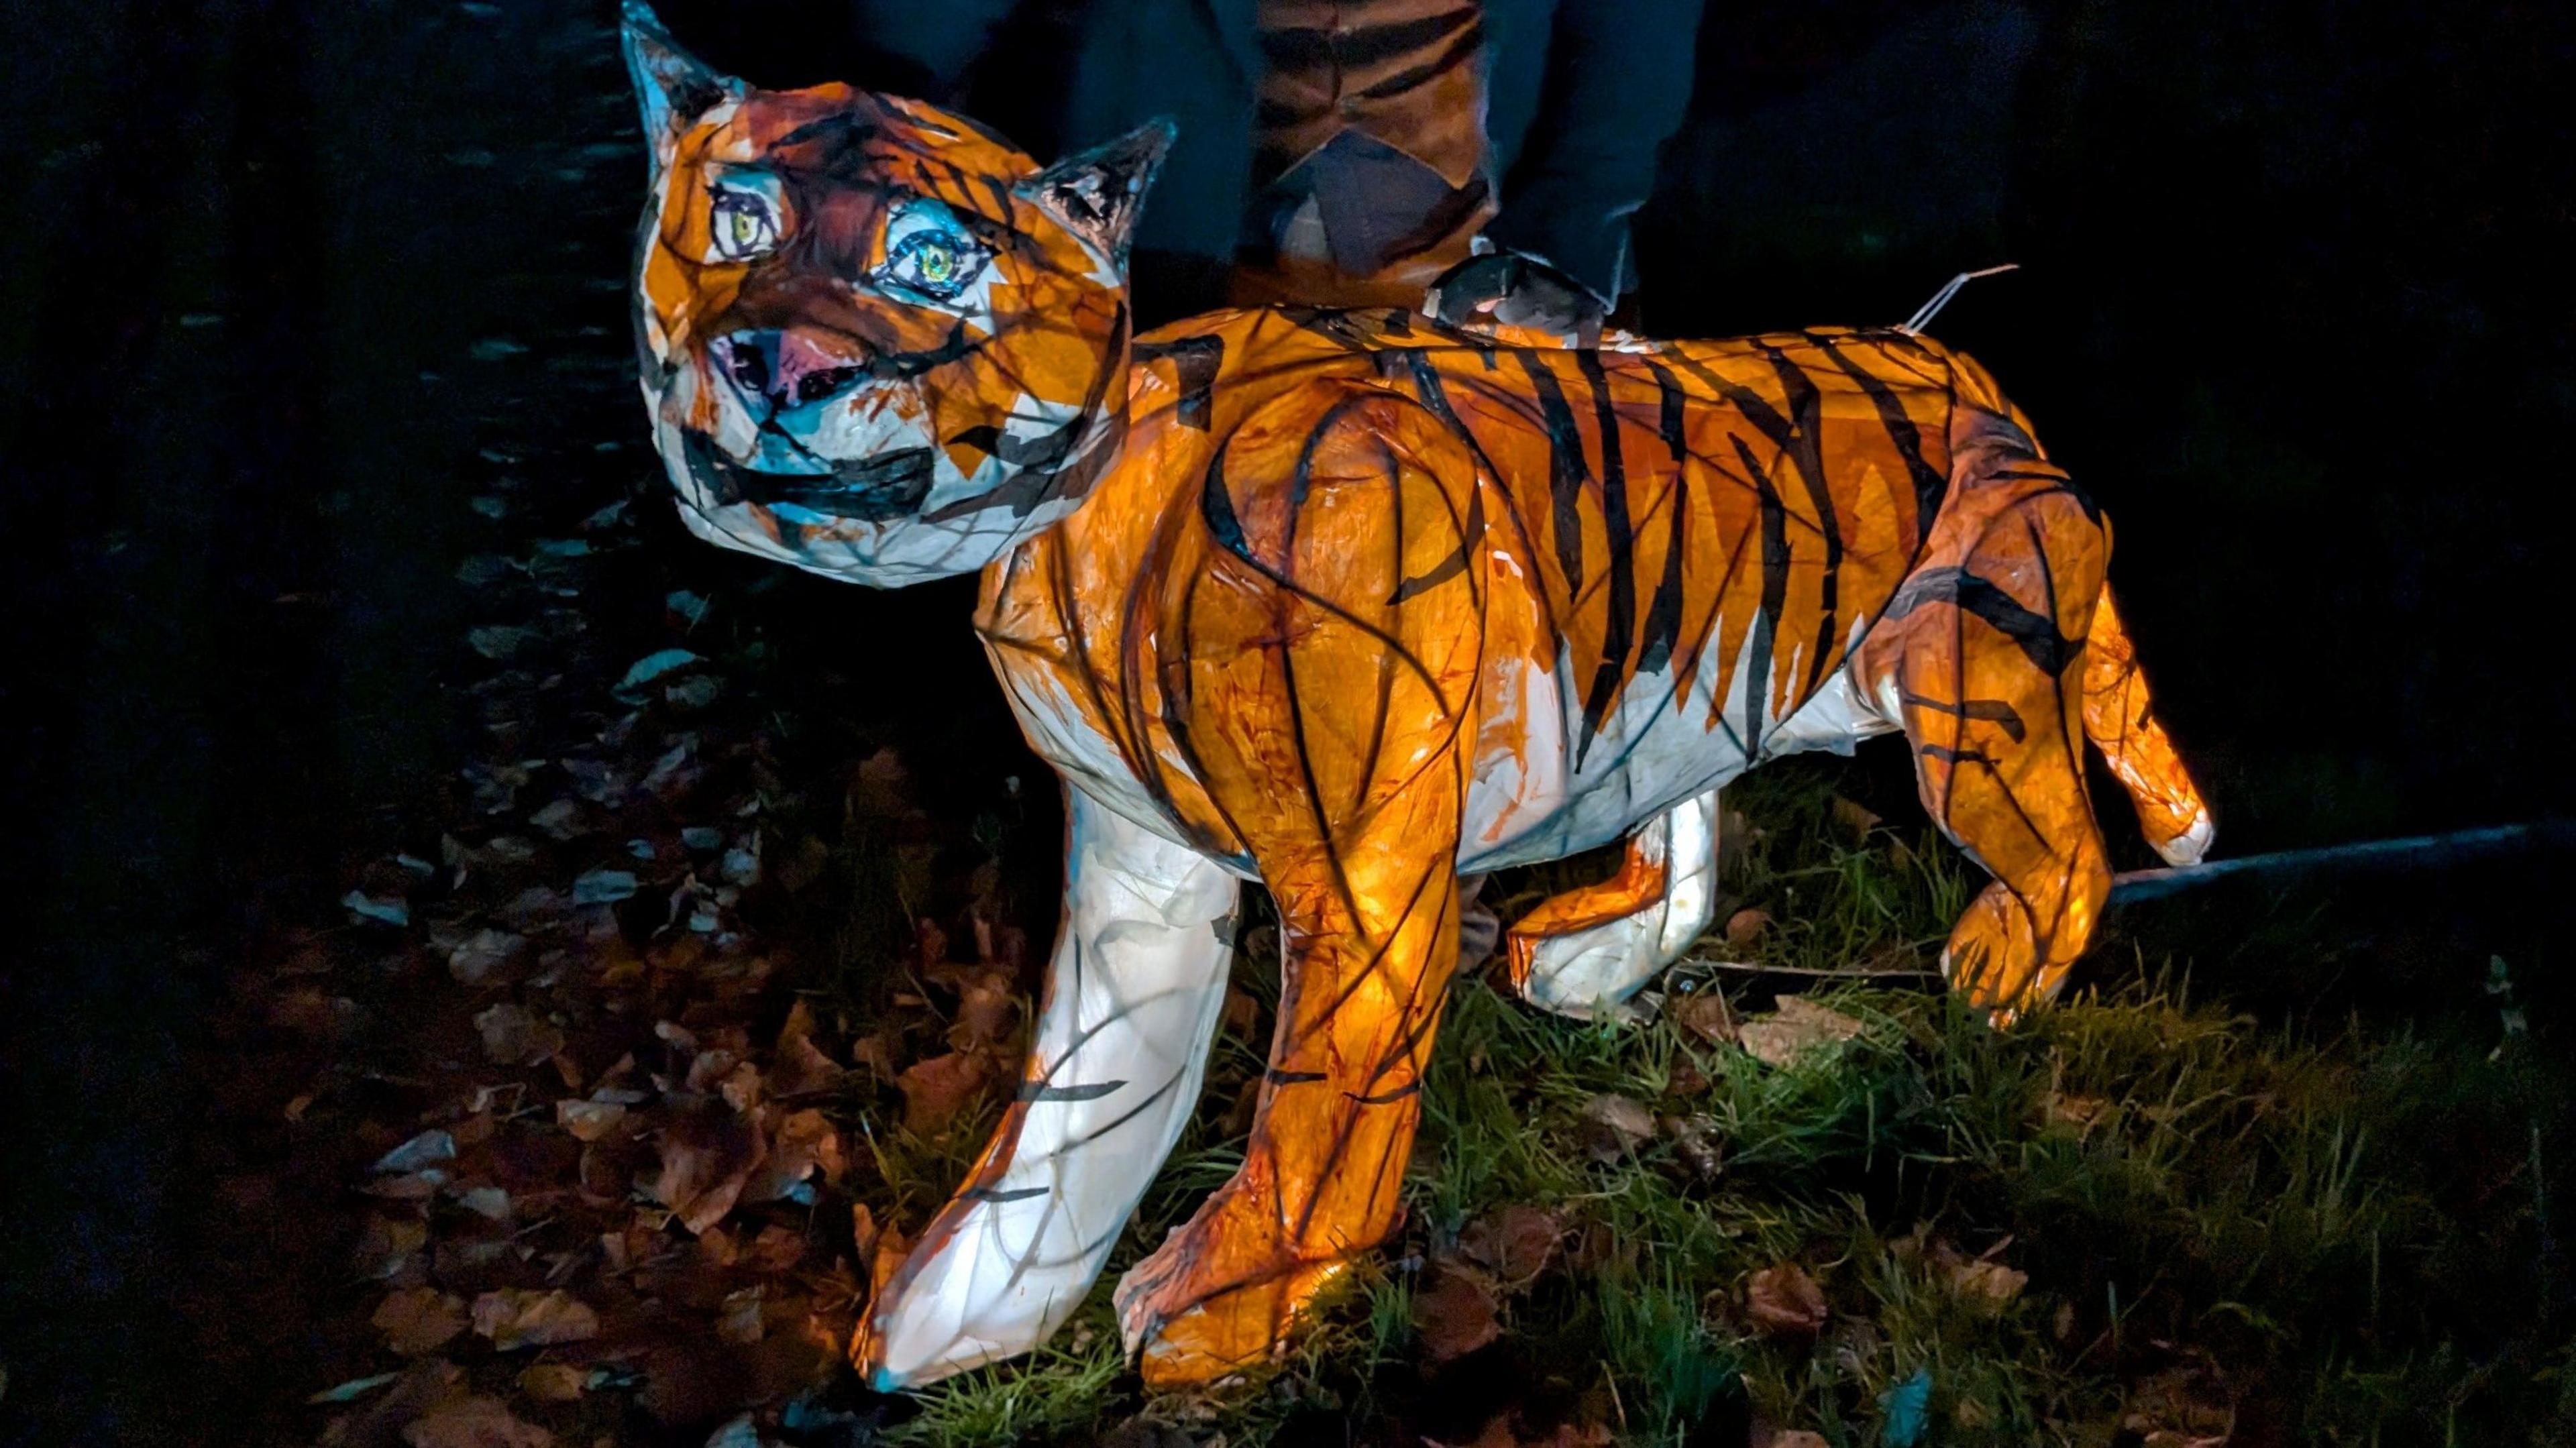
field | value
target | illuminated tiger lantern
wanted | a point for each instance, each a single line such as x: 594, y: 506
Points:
x: 1348, y: 604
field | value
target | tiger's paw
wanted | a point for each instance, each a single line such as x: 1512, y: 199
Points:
x: 1186, y: 1331
x: 1993, y: 962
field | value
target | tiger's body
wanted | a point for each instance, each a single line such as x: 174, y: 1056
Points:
x: 1350, y: 604
x: 1683, y: 610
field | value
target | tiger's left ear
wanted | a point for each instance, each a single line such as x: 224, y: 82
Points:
x: 673, y: 87
x: 1098, y: 194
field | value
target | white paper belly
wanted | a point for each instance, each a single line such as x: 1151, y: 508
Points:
x: 1536, y: 795
x: 1540, y: 793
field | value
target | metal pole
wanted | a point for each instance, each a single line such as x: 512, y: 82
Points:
x: 2416, y: 850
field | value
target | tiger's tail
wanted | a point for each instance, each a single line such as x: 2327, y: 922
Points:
x: 2120, y: 720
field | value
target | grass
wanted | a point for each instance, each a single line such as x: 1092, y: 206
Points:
x: 2334, y: 1233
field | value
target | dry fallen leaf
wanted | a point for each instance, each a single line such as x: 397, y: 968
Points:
x: 804, y: 1142
x: 1854, y: 819
x: 777, y: 1249
x: 2187, y: 1405
x: 1745, y: 924
x: 891, y: 1247
x: 2080, y: 1112
x: 1705, y: 1014
x: 1454, y: 1311
x: 936, y: 1090
x: 708, y: 1155
x: 1614, y: 1125
x: 589, y: 1120
x: 987, y: 1012
x: 1797, y: 1029
x: 798, y: 1065
x: 1504, y: 1431
x: 1242, y: 1013
x: 426, y: 1149
x: 417, y: 1321
x: 1785, y: 1302
x: 1991, y: 1283
x: 516, y: 1317
x: 863, y: 1231
x: 482, y: 953
x: 1518, y: 1242
x: 475, y: 1423
x: 1697, y: 1145
x: 740, y: 1319
x: 387, y: 1246
x: 1515, y: 1243
x: 553, y: 1382
x: 514, y: 1036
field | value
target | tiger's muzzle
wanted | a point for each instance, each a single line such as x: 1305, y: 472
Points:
x: 873, y: 489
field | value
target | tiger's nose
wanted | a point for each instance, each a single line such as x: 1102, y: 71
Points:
x: 787, y: 369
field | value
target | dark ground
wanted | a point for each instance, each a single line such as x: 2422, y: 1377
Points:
x: 2295, y: 305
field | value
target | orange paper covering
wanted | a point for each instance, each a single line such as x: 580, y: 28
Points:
x: 1349, y: 604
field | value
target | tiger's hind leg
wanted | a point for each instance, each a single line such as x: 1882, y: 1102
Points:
x: 1583, y: 953
x: 2121, y: 722
x: 1979, y: 659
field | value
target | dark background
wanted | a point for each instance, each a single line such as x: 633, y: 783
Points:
x: 2296, y: 303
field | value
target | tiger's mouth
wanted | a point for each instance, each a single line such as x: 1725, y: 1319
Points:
x: 871, y: 489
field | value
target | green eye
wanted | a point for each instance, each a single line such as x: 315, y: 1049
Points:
x: 937, y: 265
x: 743, y: 224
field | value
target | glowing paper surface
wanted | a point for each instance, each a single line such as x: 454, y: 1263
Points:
x: 1348, y: 603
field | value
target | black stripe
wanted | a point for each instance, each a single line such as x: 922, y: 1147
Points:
x: 1806, y: 449
x: 1775, y: 594
x: 1384, y: 1098
x: 897, y: 366
x: 2036, y: 634
x: 1619, y: 629
x: 1993, y: 711
x: 1331, y: 323
x: 1447, y: 568
x: 1459, y: 52
x: 1565, y: 471
x: 1024, y: 490
x: 1931, y: 485
x: 1358, y: 48
x: 1670, y: 420
x: 1017, y: 1194
x: 1281, y: 1076
x: 2083, y: 499
x: 1195, y: 364
x: 1947, y: 755
x: 1664, y: 615
x: 1036, y: 1092
x: 1216, y: 509
x: 1001, y: 193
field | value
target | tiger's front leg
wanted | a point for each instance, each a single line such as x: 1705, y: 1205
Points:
x: 1369, y: 949
x: 1583, y: 953
x: 1132, y: 996
x: 1334, y: 604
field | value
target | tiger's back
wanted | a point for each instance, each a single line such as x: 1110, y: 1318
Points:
x: 1675, y: 548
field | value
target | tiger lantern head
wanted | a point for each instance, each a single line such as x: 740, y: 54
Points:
x: 877, y: 341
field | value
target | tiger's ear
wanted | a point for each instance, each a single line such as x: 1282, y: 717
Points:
x: 673, y: 87
x: 1097, y: 194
